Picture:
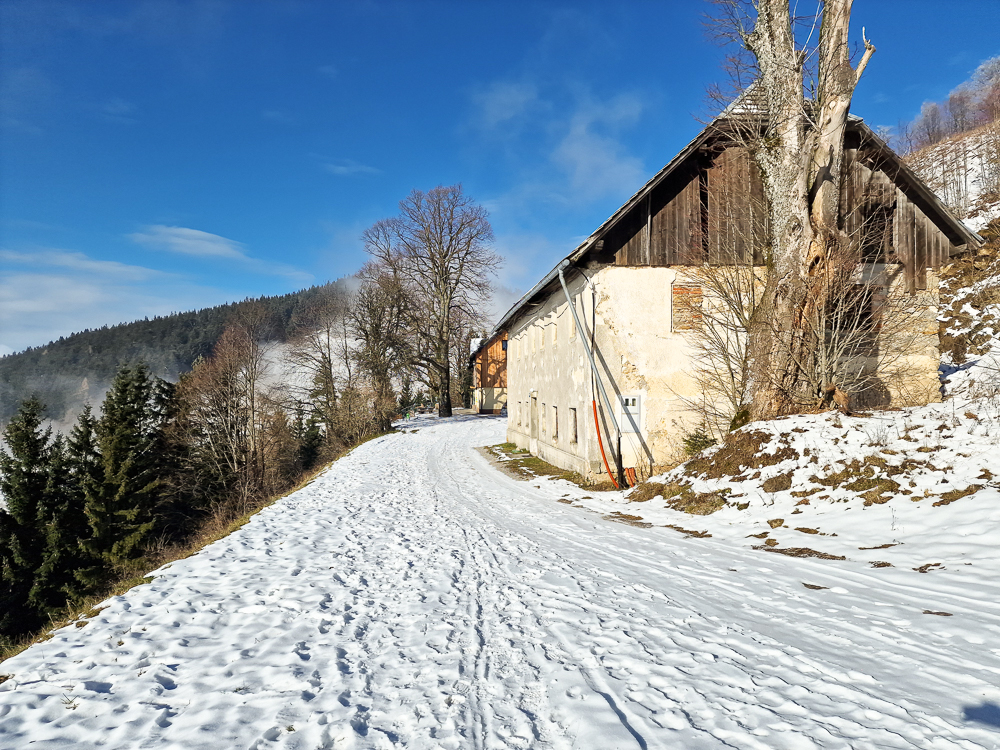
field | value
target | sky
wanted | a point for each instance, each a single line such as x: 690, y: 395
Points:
x: 158, y: 156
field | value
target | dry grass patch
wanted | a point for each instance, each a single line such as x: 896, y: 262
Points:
x: 688, y: 532
x: 799, y: 552
x: 627, y: 519
x: 953, y: 495
x: 740, y: 451
x: 521, y: 464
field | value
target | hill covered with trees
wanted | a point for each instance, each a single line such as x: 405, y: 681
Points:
x: 77, y: 369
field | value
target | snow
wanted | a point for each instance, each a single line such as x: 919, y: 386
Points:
x: 415, y: 596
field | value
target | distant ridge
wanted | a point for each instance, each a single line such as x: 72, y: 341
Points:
x: 77, y: 369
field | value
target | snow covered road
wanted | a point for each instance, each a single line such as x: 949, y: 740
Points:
x: 414, y: 596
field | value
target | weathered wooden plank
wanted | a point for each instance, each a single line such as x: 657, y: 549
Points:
x: 920, y: 242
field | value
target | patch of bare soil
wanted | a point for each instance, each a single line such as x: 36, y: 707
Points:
x: 814, y: 587
x: 740, y: 451
x: 799, y: 552
x: 941, y: 614
x: 929, y: 567
x: 950, y: 497
x: 520, y: 464
x: 627, y: 519
x: 688, y: 532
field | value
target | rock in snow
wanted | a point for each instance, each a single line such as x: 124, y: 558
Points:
x: 414, y: 596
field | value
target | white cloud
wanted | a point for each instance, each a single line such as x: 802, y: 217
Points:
x: 349, y: 168
x: 189, y: 242
x: 595, y: 161
x: 75, y: 261
x: 502, y: 102
x: 48, y: 293
x: 206, y: 245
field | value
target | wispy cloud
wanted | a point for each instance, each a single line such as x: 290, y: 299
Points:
x: 590, y: 153
x: 79, y: 262
x: 502, y: 102
x: 205, y: 245
x: 46, y: 293
x: 119, y: 111
x: 189, y: 242
x: 349, y: 168
x: 25, y: 93
x: 276, y: 115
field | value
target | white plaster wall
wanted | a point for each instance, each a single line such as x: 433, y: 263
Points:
x: 636, y: 352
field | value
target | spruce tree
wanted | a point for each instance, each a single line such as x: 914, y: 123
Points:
x: 120, y: 505
x: 23, y: 483
x: 75, y: 465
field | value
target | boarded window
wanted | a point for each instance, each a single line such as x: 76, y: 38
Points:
x: 555, y: 422
x: 685, y: 307
x: 572, y: 426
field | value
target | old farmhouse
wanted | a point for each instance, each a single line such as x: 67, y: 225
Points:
x: 614, y: 316
x: 489, y: 374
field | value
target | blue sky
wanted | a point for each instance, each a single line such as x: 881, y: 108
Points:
x: 161, y: 156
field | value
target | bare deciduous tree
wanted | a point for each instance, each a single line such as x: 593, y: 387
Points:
x: 794, y: 127
x: 439, y: 248
x: 379, y: 322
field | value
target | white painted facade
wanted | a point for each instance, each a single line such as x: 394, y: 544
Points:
x: 643, y: 363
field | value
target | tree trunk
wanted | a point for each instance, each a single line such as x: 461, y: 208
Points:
x: 800, y: 154
x: 444, y: 377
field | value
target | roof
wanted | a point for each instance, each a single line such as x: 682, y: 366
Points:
x: 711, y: 130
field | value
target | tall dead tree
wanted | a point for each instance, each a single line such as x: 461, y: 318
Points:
x: 439, y: 248
x: 795, y: 130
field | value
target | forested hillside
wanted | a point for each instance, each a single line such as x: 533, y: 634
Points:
x: 78, y: 369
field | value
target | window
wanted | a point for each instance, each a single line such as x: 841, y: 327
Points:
x: 518, y: 413
x: 555, y: 332
x: 572, y: 426
x: 544, y: 420
x: 555, y: 422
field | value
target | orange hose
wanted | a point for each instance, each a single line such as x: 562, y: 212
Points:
x: 601, y: 444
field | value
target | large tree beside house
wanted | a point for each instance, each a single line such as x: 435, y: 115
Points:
x: 793, y: 122
x: 439, y: 249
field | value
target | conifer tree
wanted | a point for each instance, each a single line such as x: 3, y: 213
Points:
x: 23, y: 480
x: 74, y: 466
x: 120, y: 505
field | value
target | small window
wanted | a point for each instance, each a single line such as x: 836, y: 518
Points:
x: 518, y: 413
x: 555, y: 332
x: 544, y: 420
x: 572, y: 426
x: 555, y: 422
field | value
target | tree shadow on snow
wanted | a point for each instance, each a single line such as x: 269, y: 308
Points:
x: 987, y: 713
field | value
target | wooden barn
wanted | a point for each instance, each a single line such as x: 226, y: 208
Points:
x: 613, y: 315
x: 489, y: 374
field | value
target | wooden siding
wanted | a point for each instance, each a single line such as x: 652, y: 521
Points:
x: 712, y: 209
x: 491, y: 365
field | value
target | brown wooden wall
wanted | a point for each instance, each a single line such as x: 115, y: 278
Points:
x: 491, y: 365
x: 712, y: 210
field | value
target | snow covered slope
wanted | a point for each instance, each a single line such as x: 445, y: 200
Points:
x: 414, y: 596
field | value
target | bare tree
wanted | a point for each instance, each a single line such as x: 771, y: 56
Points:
x: 379, y: 322
x: 439, y: 248
x: 794, y: 125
